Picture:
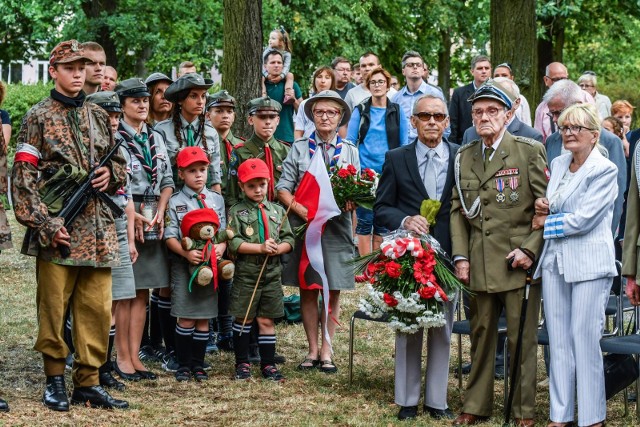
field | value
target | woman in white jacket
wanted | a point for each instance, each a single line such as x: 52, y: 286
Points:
x: 577, y: 266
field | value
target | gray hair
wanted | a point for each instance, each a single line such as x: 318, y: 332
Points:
x: 565, y: 90
x: 588, y: 78
x: 513, y: 87
x: 411, y: 54
x: 414, y: 109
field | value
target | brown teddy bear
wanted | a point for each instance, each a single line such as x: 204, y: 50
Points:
x: 199, y: 229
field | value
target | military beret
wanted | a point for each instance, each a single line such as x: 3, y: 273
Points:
x: 132, y: 88
x: 263, y: 104
x: 67, y: 51
x: 157, y: 77
x: 221, y: 98
x: 107, y: 99
x: 186, y: 82
x: 494, y: 90
x: 328, y: 95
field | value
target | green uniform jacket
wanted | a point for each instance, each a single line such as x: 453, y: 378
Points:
x: 632, y: 225
x: 500, y: 227
x: 225, y: 158
x: 250, y: 149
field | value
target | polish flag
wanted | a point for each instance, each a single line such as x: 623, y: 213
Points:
x: 315, y: 193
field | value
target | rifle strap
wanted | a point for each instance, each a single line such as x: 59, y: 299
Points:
x: 92, y: 151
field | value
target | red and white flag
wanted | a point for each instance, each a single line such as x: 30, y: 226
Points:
x: 315, y: 193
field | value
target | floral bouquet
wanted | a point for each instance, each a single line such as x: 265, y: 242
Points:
x: 360, y: 188
x: 410, y: 279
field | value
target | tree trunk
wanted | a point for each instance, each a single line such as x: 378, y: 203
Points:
x: 513, y: 40
x: 242, y: 56
x: 444, y: 63
x: 550, y: 48
x: 92, y: 9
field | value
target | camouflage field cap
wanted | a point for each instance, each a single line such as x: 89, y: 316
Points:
x: 263, y: 104
x: 186, y: 82
x: 67, y: 51
x: 219, y: 99
x: 132, y: 88
x: 494, y: 90
x: 157, y: 77
x: 107, y: 99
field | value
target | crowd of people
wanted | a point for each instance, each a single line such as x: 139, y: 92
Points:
x: 191, y: 248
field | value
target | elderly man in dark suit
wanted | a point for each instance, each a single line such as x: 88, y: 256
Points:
x: 411, y: 174
x: 515, y: 126
x: 460, y: 108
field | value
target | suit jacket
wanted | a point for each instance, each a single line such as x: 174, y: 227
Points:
x: 460, y: 112
x: 500, y: 227
x: 401, y: 191
x: 631, y: 243
x: 515, y: 128
x: 616, y: 155
x: 578, y: 230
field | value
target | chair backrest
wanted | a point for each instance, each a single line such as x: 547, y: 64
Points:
x: 616, y: 287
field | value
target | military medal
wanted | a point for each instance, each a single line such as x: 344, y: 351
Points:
x: 500, y: 197
x: 513, y: 183
x: 248, y: 231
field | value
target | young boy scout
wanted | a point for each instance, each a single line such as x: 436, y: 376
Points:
x: 63, y: 130
x: 263, y: 116
x: 257, y: 229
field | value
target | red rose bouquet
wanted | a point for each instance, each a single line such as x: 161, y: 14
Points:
x: 359, y: 188
x: 410, y: 279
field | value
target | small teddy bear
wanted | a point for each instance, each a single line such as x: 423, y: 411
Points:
x: 199, y: 228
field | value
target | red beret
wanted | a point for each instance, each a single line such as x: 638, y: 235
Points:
x: 196, y: 216
x: 252, y: 168
x: 190, y: 155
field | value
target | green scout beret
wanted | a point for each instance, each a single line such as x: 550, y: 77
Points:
x: 263, y: 104
x: 132, y: 88
x: 221, y: 98
x: 157, y: 77
x: 186, y: 82
x: 494, y: 90
x: 107, y: 99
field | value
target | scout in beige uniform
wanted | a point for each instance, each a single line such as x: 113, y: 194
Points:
x: 498, y: 179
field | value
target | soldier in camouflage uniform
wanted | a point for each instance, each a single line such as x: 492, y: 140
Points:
x: 263, y: 116
x: 257, y: 229
x: 5, y: 231
x: 64, y: 130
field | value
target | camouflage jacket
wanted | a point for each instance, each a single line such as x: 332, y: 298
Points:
x: 54, y: 134
x: 5, y: 231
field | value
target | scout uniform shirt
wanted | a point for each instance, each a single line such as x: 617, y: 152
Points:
x: 226, y: 147
x: 158, y: 174
x: 185, y: 200
x: 52, y: 135
x: 192, y: 137
x: 254, y: 148
x: 505, y: 193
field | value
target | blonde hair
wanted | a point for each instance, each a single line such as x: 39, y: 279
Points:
x: 284, y: 37
x: 584, y: 115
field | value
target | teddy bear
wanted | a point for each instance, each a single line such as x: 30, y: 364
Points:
x: 199, y: 229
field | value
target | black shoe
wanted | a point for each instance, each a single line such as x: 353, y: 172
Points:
x: 183, y: 374
x: 199, y: 374
x: 243, y: 371
x: 225, y: 342
x: 4, y: 406
x: 271, y: 372
x: 96, y: 397
x: 55, y: 394
x: 279, y: 359
x: 439, y: 414
x: 212, y: 343
x: 254, y: 356
x: 108, y: 381
x: 499, y: 372
x: 134, y: 376
x: 407, y: 412
x: 147, y: 375
x: 148, y: 354
x: 169, y: 362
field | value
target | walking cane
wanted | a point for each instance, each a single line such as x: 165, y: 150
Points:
x: 516, y: 358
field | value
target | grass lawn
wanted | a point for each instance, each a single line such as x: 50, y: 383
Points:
x: 310, y: 398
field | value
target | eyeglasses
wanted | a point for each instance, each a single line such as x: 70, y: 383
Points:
x: 556, y: 79
x: 266, y: 116
x: 491, y: 112
x: 330, y: 113
x: 552, y: 114
x: 584, y: 85
x: 376, y: 83
x: 573, y: 129
x: 413, y: 65
x: 423, y: 116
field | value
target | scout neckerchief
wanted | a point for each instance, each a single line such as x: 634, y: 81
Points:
x: 148, y: 158
x: 200, y: 199
x: 229, y: 147
x: 189, y: 134
x: 268, y: 159
x: 263, y: 223
x: 336, y: 153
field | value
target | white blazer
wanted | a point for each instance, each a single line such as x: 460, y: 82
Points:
x: 577, y: 232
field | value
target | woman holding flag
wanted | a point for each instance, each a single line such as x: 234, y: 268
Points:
x: 304, y: 186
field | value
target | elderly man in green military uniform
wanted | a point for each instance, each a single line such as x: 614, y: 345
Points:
x: 59, y: 131
x: 263, y: 116
x: 498, y: 178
